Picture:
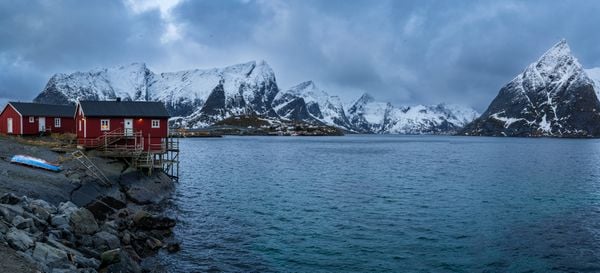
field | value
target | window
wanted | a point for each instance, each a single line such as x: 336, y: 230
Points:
x: 155, y: 123
x: 80, y: 125
x: 31, y: 119
x: 104, y: 125
x: 56, y: 122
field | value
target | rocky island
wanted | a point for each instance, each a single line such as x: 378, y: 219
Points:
x: 67, y: 222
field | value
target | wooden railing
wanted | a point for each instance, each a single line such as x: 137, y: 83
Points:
x: 108, y: 139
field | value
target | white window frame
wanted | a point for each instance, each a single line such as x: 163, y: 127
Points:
x: 57, y: 122
x: 103, y: 127
x: 155, y: 123
x: 31, y: 119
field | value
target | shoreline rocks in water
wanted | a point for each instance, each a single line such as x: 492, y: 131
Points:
x: 65, y: 222
x: 67, y: 238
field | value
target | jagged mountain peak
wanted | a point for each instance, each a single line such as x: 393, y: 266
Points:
x: 557, y: 61
x: 554, y: 96
x: 364, y: 99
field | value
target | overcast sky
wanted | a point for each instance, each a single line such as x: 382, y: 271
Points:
x: 404, y: 52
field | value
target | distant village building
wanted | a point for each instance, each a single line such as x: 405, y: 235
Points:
x: 26, y: 118
x: 130, y: 124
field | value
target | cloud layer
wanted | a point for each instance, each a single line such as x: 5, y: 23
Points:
x: 401, y: 51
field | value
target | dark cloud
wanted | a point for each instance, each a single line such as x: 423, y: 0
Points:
x: 401, y: 51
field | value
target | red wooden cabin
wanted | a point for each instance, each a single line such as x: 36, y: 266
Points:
x: 130, y: 125
x: 26, y: 118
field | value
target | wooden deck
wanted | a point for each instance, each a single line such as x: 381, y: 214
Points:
x: 148, y: 158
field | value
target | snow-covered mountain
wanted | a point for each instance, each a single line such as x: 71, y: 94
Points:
x: 307, y: 102
x: 554, y: 96
x: 594, y: 74
x: 198, y: 97
x: 128, y: 82
x: 369, y: 116
x: 201, y: 97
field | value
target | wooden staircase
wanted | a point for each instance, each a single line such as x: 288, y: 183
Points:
x: 90, y: 166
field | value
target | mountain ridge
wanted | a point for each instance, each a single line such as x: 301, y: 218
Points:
x: 200, y: 97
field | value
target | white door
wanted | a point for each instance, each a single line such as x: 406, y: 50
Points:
x: 128, y: 127
x: 42, y: 124
x: 9, y: 126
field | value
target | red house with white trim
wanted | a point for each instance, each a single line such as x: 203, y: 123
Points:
x: 131, y: 124
x: 26, y: 118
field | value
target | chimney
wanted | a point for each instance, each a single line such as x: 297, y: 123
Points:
x: 118, y: 99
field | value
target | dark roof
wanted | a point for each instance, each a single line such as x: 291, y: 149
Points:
x: 43, y: 110
x: 124, y: 109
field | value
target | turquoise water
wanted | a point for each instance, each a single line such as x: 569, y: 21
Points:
x: 388, y: 204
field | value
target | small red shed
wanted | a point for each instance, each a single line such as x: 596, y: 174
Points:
x: 26, y: 118
x: 139, y: 123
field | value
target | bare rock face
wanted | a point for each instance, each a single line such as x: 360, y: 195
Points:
x: 19, y: 239
x: 82, y: 222
x: 552, y: 97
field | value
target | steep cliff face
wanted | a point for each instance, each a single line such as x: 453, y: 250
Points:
x: 552, y: 97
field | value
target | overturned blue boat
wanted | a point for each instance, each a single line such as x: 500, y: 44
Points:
x: 35, y: 163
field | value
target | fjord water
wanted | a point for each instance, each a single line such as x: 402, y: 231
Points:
x: 387, y: 204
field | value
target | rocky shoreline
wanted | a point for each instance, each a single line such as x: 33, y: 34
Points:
x: 67, y: 222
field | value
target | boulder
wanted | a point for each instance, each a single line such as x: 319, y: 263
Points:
x: 59, y: 221
x: 104, y: 240
x: 111, y: 256
x: 40, y: 212
x: 38, y: 203
x: 51, y: 256
x: 9, y: 212
x: 153, y: 243
x: 82, y: 222
x: 18, y: 239
x: 126, y: 239
x: 22, y: 223
x: 105, y: 205
x: 142, y: 196
x: 10, y: 199
x: 3, y: 227
x: 67, y: 208
x: 124, y: 264
x: 147, y: 221
x: 85, y: 240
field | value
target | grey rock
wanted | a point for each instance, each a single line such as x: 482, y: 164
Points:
x: 126, y: 239
x: 82, y: 222
x: 59, y: 221
x: 104, y: 240
x: 43, y: 204
x: 124, y: 263
x: 22, y: 223
x: 147, y: 221
x: 67, y: 208
x: 9, y: 212
x: 40, y: 212
x: 57, y: 256
x: 85, y: 240
x: 86, y: 270
x: 3, y: 227
x: 111, y: 256
x: 153, y: 243
x: 10, y: 199
x: 19, y: 240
